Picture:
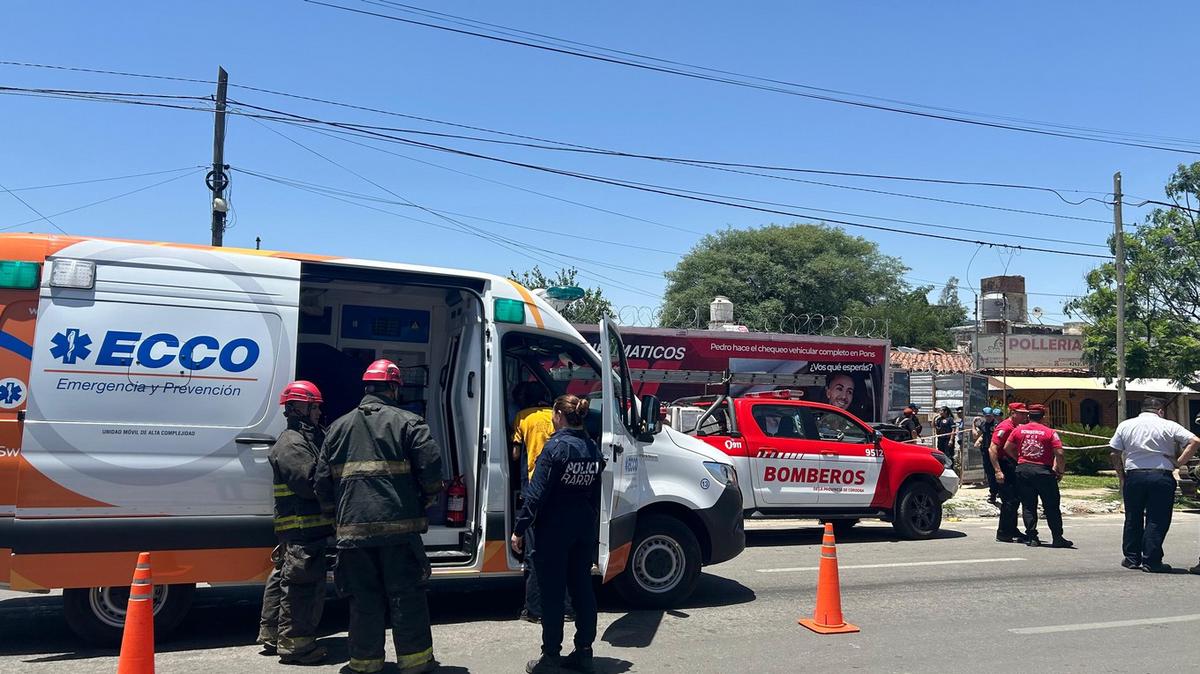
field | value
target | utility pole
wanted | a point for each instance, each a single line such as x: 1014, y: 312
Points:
x: 216, y: 179
x: 1119, y: 232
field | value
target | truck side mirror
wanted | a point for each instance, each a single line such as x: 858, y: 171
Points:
x: 651, y: 415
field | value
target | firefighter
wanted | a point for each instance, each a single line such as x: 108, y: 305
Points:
x: 295, y: 593
x: 1005, y: 469
x: 1040, y: 464
x: 562, y: 503
x: 382, y: 468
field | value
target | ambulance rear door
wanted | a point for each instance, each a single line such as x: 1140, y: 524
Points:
x: 621, y: 450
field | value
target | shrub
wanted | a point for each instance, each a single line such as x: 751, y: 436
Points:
x: 1085, y: 461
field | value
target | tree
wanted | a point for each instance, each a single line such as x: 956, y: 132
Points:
x: 772, y: 272
x: 949, y: 295
x: 1162, y: 292
x: 589, y: 309
x: 913, y: 321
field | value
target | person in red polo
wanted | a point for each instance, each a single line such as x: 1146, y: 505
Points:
x: 1039, y: 454
x: 1006, y: 474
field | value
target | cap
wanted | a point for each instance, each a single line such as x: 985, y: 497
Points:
x: 1037, y: 409
x: 1017, y: 407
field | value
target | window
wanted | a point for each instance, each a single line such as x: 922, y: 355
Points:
x: 548, y: 367
x: 836, y: 427
x: 623, y: 400
x: 1058, y: 413
x: 716, y: 423
x: 778, y: 421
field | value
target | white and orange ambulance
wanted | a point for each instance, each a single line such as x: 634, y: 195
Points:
x: 138, y: 390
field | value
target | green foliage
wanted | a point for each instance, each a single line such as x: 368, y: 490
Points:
x: 1162, y: 283
x: 1085, y: 461
x: 773, y: 272
x: 589, y: 309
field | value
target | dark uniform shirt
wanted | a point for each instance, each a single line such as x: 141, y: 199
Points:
x: 565, y: 482
x: 379, y: 465
x: 942, y: 426
x: 911, y: 424
x: 293, y: 458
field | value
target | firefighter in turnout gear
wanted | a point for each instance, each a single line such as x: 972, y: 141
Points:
x: 381, y: 466
x: 295, y: 592
x: 562, y: 504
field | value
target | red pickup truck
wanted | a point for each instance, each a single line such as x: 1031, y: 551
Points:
x: 796, y: 458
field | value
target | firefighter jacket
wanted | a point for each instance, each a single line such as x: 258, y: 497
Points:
x: 379, y: 465
x: 293, y: 457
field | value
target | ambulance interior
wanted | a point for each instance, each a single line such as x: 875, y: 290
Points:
x: 432, y: 328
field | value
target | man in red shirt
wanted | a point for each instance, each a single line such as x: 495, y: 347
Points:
x: 1039, y: 454
x: 1006, y: 474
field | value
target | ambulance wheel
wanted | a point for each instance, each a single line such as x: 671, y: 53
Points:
x: 664, y: 563
x: 97, y: 614
x: 918, y: 512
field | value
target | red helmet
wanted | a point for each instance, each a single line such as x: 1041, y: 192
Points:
x: 383, y: 370
x: 300, y: 392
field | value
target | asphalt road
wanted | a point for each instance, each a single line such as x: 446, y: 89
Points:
x: 959, y: 601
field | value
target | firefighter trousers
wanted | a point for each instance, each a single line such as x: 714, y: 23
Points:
x: 294, y: 597
x: 1010, y: 500
x: 563, y: 563
x: 389, y: 580
x: 1035, y: 482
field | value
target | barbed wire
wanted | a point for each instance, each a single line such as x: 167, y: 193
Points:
x: 697, y: 318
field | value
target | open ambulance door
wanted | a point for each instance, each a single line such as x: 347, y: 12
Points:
x: 618, y: 497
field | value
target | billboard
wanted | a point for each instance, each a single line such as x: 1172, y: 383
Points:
x: 1028, y: 352
x: 854, y: 369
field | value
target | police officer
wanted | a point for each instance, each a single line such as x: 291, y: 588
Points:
x: 562, y: 503
x: 1005, y: 469
x: 986, y: 429
x: 382, y: 468
x: 1040, y: 465
x: 295, y: 593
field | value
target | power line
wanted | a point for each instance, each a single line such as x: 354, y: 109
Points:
x: 40, y: 215
x: 502, y: 241
x: 764, y: 87
x: 103, y: 180
x: 102, y: 201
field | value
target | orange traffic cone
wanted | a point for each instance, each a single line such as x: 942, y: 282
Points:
x: 137, y: 643
x: 827, y: 617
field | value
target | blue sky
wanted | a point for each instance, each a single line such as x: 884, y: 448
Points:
x: 1114, y: 66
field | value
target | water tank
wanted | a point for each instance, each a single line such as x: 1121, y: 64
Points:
x: 720, y: 312
x: 991, y: 306
x: 997, y: 306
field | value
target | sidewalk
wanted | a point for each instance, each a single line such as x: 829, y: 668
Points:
x: 971, y: 501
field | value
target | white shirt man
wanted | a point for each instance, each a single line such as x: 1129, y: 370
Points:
x: 1145, y: 452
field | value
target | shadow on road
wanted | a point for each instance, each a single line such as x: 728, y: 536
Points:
x: 758, y: 538
x: 227, y: 617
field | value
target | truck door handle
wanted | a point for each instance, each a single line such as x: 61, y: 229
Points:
x: 826, y: 452
x: 617, y: 450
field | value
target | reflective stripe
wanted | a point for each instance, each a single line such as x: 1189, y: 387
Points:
x: 289, y: 645
x: 371, y: 469
x: 283, y: 490
x: 368, y: 666
x: 371, y: 529
x: 301, y: 522
x: 406, y: 661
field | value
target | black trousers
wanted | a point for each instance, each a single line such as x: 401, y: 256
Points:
x: 533, y: 592
x: 1010, y: 500
x: 1149, y: 502
x: 989, y: 472
x: 382, y: 581
x: 1035, y: 481
x: 563, y: 563
x: 294, y: 597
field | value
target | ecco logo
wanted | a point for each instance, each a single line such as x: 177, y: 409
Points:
x: 122, y: 348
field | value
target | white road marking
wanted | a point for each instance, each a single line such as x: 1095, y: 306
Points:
x: 1104, y: 626
x: 893, y: 565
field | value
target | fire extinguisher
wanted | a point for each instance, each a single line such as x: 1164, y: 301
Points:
x: 456, y: 503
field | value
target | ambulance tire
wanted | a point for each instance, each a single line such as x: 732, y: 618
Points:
x: 918, y: 513
x: 664, y: 564
x: 97, y: 614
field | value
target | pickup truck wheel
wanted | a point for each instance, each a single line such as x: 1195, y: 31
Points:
x: 918, y: 512
x: 97, y: 614
x: 664, y: 564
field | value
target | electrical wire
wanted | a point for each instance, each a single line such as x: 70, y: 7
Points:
x: 105, y: 200
x: 764, y: 87
x: 103, y: 180
x: 40, y: 215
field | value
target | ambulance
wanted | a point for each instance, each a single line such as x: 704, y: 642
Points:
x: 803, y: 459
x: 138, y: 399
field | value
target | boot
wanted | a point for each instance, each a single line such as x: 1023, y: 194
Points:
x: 1033, y: 541
x: 1060, y: 542
x: 309, y: 657
x: 579, y: 661
x: 543, y: 665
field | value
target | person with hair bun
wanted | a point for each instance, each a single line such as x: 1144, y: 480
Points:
x: 562, y: 504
